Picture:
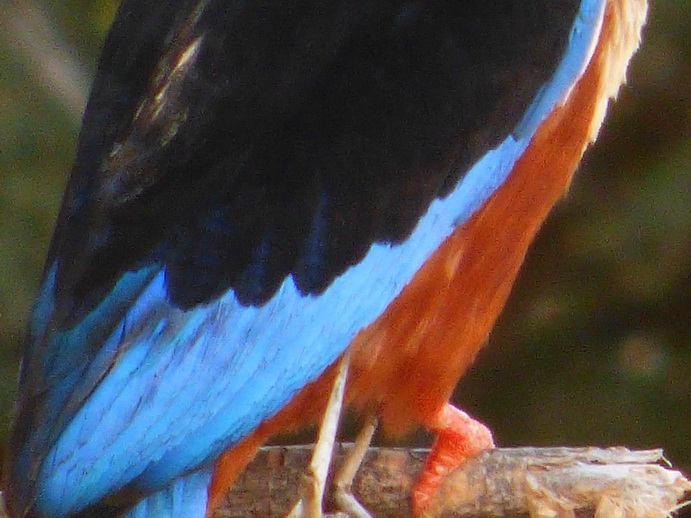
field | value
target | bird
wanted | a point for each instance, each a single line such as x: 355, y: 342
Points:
x: 262, y: 187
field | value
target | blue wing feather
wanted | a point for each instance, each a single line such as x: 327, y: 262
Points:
x: 187, y: 496
x: 169, y: 389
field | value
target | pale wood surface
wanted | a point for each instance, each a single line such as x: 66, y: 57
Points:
x: 536, y: 482
x: 506, y: 482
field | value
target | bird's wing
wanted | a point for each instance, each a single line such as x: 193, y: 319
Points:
x: 255, y: 182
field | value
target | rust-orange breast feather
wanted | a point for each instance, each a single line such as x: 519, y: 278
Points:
x: 405, y: 365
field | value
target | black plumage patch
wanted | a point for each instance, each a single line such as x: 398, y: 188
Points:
x: 235, y: 143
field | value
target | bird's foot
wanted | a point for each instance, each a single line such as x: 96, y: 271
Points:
x: 459, y: 438
x: 343, y: 482
x: 314, y: 480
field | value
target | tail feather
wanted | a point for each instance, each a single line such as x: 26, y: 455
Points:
x: 186, y: 496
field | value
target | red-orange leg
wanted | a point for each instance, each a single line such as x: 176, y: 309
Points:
x: 459, y: 437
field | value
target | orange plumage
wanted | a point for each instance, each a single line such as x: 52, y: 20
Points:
x: 405, y: 365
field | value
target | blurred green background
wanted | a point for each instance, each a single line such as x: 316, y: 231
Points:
x: 595, y: 345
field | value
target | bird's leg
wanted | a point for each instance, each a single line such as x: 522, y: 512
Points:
x: 459, y: 438
x: 343, y: 482
x: 312, y: 490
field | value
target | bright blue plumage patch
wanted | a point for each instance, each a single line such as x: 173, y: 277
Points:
x: 187, y: 496
x: 172, y: 389
x: 581, y: 46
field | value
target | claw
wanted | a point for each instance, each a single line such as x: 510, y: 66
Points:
x: 314, y: 482
x: 459, y: 438
x: 343, y: 482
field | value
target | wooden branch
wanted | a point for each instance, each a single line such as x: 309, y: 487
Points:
x: 519, y: 482
x: 26, y: 27
x: 535, y: 482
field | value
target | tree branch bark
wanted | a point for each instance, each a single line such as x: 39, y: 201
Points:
x: 505, y: 482
x: 535, y: 482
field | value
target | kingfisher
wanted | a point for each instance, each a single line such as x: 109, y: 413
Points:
x: 263, y: 188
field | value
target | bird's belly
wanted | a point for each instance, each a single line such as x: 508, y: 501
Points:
x: 406, y: 364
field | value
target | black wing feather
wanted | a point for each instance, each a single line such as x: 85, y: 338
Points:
x: 298, y: 134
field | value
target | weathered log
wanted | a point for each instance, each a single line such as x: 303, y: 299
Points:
x: 516, y: 482
x: 505, y: 482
